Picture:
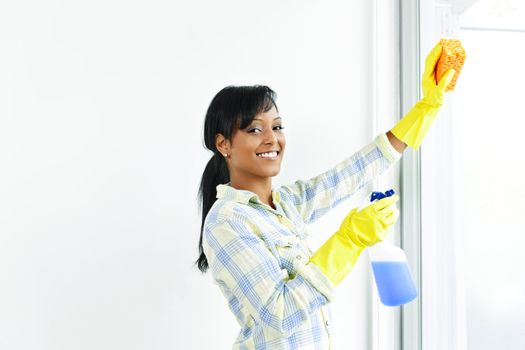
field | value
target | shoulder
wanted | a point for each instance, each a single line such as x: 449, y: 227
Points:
x: 229, y: 218
x: 228, y: 231
x: 225, y: 210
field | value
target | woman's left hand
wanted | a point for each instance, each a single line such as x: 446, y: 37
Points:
x: 433, y: 92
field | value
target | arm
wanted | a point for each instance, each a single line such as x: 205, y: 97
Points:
x: 360, y: 229
x: 315, y: 197
x: 255, y: 284
x: 414, y: 125
x: 395, y: 142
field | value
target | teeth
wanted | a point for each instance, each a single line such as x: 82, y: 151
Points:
x: 268, y: 155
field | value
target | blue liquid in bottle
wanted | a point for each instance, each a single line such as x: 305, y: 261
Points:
x: 394, y: 282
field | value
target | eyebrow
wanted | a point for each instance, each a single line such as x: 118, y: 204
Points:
x: 261, y: 119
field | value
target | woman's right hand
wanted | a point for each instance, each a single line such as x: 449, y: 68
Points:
x: 369, y: 225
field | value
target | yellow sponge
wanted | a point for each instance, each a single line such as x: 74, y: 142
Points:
x: 452, y: 56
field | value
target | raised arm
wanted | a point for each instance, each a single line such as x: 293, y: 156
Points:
x: 399, y: 145
x: 315, y: 197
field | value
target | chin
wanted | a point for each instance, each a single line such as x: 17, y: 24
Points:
x: 275, y: 173
x: 271, y: 173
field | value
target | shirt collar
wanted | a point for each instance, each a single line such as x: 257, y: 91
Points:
x: 228, y: 192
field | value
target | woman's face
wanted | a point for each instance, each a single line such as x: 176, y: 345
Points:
x: 263, y: 134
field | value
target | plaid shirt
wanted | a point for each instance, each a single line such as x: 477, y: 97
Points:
x: 259, y: 256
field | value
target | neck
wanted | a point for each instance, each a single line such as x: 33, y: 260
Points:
x: 262, y: 187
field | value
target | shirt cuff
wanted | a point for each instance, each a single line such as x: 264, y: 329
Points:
x: 386, y: 148
x: 311, y: 273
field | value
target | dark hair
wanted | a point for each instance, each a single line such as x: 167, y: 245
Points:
x: 232, y: 107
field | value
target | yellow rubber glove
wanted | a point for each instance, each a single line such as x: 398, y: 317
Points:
x: 414, y: 125
x: 360, y: 229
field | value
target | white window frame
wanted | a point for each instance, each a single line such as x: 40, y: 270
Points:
x: 439, y: 321
x: 400, y: 327
x: 410, y: 198
x: 429, y: 322
x: 434, y: 320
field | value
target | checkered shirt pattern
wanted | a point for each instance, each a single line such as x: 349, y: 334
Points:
x: 259, y: 256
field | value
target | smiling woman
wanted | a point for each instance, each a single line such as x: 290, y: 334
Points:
x: 251, y: 233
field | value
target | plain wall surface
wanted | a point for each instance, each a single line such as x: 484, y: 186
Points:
x: 102, y: 105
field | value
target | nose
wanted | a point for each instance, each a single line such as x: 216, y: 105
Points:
x: 270, y: 137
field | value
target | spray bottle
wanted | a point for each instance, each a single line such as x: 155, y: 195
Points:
x: 392, y: 274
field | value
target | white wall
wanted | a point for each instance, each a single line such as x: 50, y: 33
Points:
x: 102, y: 105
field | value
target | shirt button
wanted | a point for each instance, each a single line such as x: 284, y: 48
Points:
x: 326, y: 323
x: 299, y: 257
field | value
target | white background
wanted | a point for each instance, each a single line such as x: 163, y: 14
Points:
x: 102, y: 105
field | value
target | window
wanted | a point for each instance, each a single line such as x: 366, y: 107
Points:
x: 489, y: 116
x: 472, y: 169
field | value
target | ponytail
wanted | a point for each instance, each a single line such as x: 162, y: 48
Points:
x: 232, y: 107
x: 215, y: 173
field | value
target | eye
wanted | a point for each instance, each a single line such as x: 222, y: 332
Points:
x: 278, y: 126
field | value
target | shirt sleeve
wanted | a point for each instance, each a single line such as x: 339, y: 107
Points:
x: 253, y: 280
x: 315, y: 197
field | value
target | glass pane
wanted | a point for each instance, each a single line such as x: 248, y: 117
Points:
x: 490, y: 115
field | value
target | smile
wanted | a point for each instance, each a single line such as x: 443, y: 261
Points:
x: 268, y: 155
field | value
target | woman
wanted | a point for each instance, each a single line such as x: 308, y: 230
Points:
x: 253, y: 235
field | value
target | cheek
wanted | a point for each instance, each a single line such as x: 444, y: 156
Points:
x: 282, y: 141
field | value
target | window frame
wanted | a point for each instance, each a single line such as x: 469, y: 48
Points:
x: 410, y: 198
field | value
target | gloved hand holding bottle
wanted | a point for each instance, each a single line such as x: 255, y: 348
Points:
x: 359, y: 229
x: 414, y: 125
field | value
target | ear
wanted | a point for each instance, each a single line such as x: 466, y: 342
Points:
x: 222, y: 144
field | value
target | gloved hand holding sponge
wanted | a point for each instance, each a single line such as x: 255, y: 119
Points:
x: 359, y: 229
x: 442, y: 67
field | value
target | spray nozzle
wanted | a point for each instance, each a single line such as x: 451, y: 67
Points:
x: 379, y: 195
